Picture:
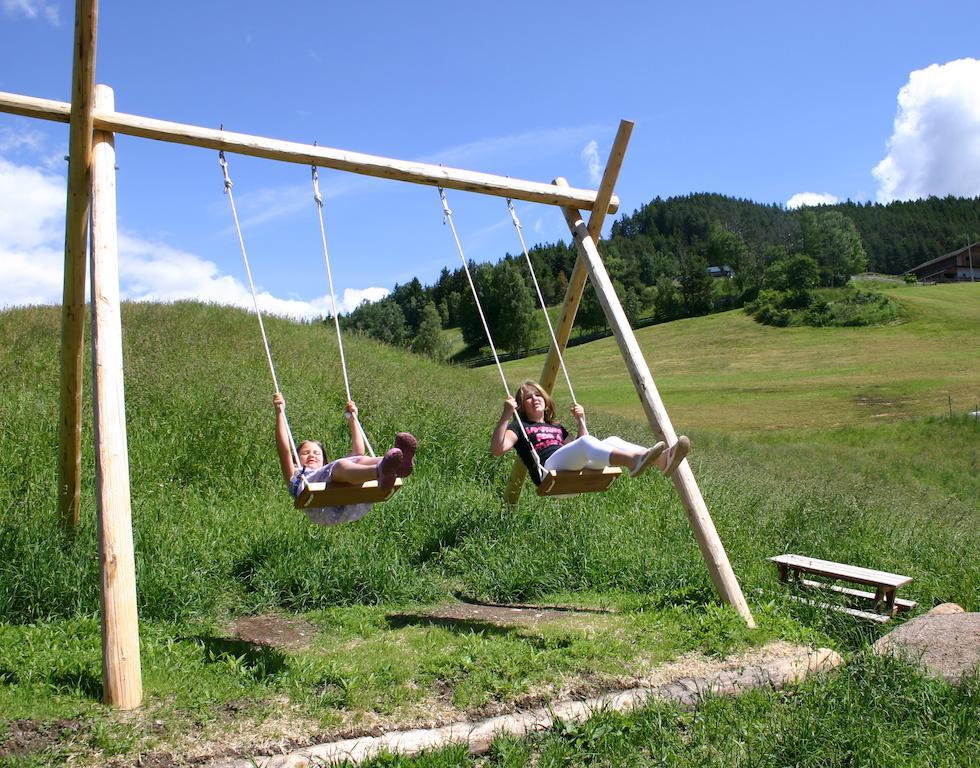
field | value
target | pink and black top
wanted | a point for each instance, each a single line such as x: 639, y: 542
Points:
x: 546, y: 439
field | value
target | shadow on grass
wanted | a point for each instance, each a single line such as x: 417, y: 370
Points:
x: 685, y: 597
x: 256, y: 661
x: 79, y: 681
x: 482, y: 627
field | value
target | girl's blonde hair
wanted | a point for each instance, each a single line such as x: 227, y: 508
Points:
x: 549, y: 404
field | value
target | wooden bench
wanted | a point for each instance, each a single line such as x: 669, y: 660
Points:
x: 886, y: 584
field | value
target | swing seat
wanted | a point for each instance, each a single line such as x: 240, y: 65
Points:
x: 341, y: 494
x: 572, y: 482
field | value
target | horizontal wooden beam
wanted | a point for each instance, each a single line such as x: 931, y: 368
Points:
x: 308, y: 154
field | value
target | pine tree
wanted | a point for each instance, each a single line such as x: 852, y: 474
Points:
x: 513, y: 313
x: 429, y: 339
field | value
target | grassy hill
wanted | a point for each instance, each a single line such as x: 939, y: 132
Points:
x: 727, y: 373
x: 216, y: 537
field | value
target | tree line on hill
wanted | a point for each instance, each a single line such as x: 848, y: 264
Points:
x: 659, y: 257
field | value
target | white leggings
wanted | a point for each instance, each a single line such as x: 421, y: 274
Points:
x: 588, y: 452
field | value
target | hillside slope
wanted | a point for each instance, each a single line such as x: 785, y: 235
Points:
x: 215, y: 530
x: 727, y: 373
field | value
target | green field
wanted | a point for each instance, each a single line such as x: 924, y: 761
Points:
x: 727, y: 373
x: 799, y: 461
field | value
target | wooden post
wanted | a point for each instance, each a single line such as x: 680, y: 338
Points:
x: 121, y: 674
x: 76, y: 235
x: 697, y: 512
x: 609, y: 178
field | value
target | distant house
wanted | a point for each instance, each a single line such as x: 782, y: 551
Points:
x: 721, y: 271
x: 963, y: 264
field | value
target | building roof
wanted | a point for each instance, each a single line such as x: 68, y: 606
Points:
x: 945, y: 256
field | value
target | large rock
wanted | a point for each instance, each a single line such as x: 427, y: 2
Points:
x: 946, y: 641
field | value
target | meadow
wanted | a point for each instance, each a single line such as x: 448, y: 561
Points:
x: 837, y: 443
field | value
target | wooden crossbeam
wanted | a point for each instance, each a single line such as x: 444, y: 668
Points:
x: 308, y: 154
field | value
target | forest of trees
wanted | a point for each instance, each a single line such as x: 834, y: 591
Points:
x: 658, y: 259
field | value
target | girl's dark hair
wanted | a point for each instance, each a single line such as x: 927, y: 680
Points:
x: 549, y: 404
x: 318, y: 444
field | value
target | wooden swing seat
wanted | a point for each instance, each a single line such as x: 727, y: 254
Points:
x: 341, y: 494
x: 572, y: 482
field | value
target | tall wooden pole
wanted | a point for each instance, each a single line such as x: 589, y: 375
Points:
x: 121, y: 673
x: 703, y: 526
x: 76, y: 235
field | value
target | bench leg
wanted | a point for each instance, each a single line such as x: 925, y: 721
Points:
x: 879, y: 598
x: 890, y: 601
x: 885, y: 600
x: 783, y: 571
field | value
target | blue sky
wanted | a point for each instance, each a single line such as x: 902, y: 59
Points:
x: 766, y: 101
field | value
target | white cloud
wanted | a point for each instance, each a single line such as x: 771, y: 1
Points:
x: 19, y: 139
x: 354, y: 297
x: 32, y: 205
x: 32, y: 211
x: 801, y: 199
x: 590, y: 156
x: 150, y: 271
x: 486, y: 152
x: 934, y: 148
x: 32, y: 9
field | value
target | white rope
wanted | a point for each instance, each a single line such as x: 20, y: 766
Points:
x: 333, y: 303
x: 448, y: 218
x: 255, y: 300
x: 544, y: 307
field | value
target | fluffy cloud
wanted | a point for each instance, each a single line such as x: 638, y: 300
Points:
x: 32, y: 215
x: 801, y: 199
x: 590, y: 156
x: 32, y: 205
x: 150, y: 271
x: 934, y: 148
x: 32, y: 9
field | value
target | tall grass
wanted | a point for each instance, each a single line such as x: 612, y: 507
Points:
x: 215, y: 532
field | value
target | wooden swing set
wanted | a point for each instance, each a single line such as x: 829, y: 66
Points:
x: 91, y: 197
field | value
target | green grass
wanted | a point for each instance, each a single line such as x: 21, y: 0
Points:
x: 726, y: 373
x: 873, y: 713
x: 216, y: 538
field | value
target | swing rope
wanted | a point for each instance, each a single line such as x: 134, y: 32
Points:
x: 448, y: 219
x: 333, y: 303
x: 544, y: 307
x: 248, y: 271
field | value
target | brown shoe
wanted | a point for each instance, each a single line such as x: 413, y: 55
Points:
x: 388, y: 468
x: 406, y: 443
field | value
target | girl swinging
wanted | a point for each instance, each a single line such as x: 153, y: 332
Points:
x: 558, y: 450
x: 355, y: 468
